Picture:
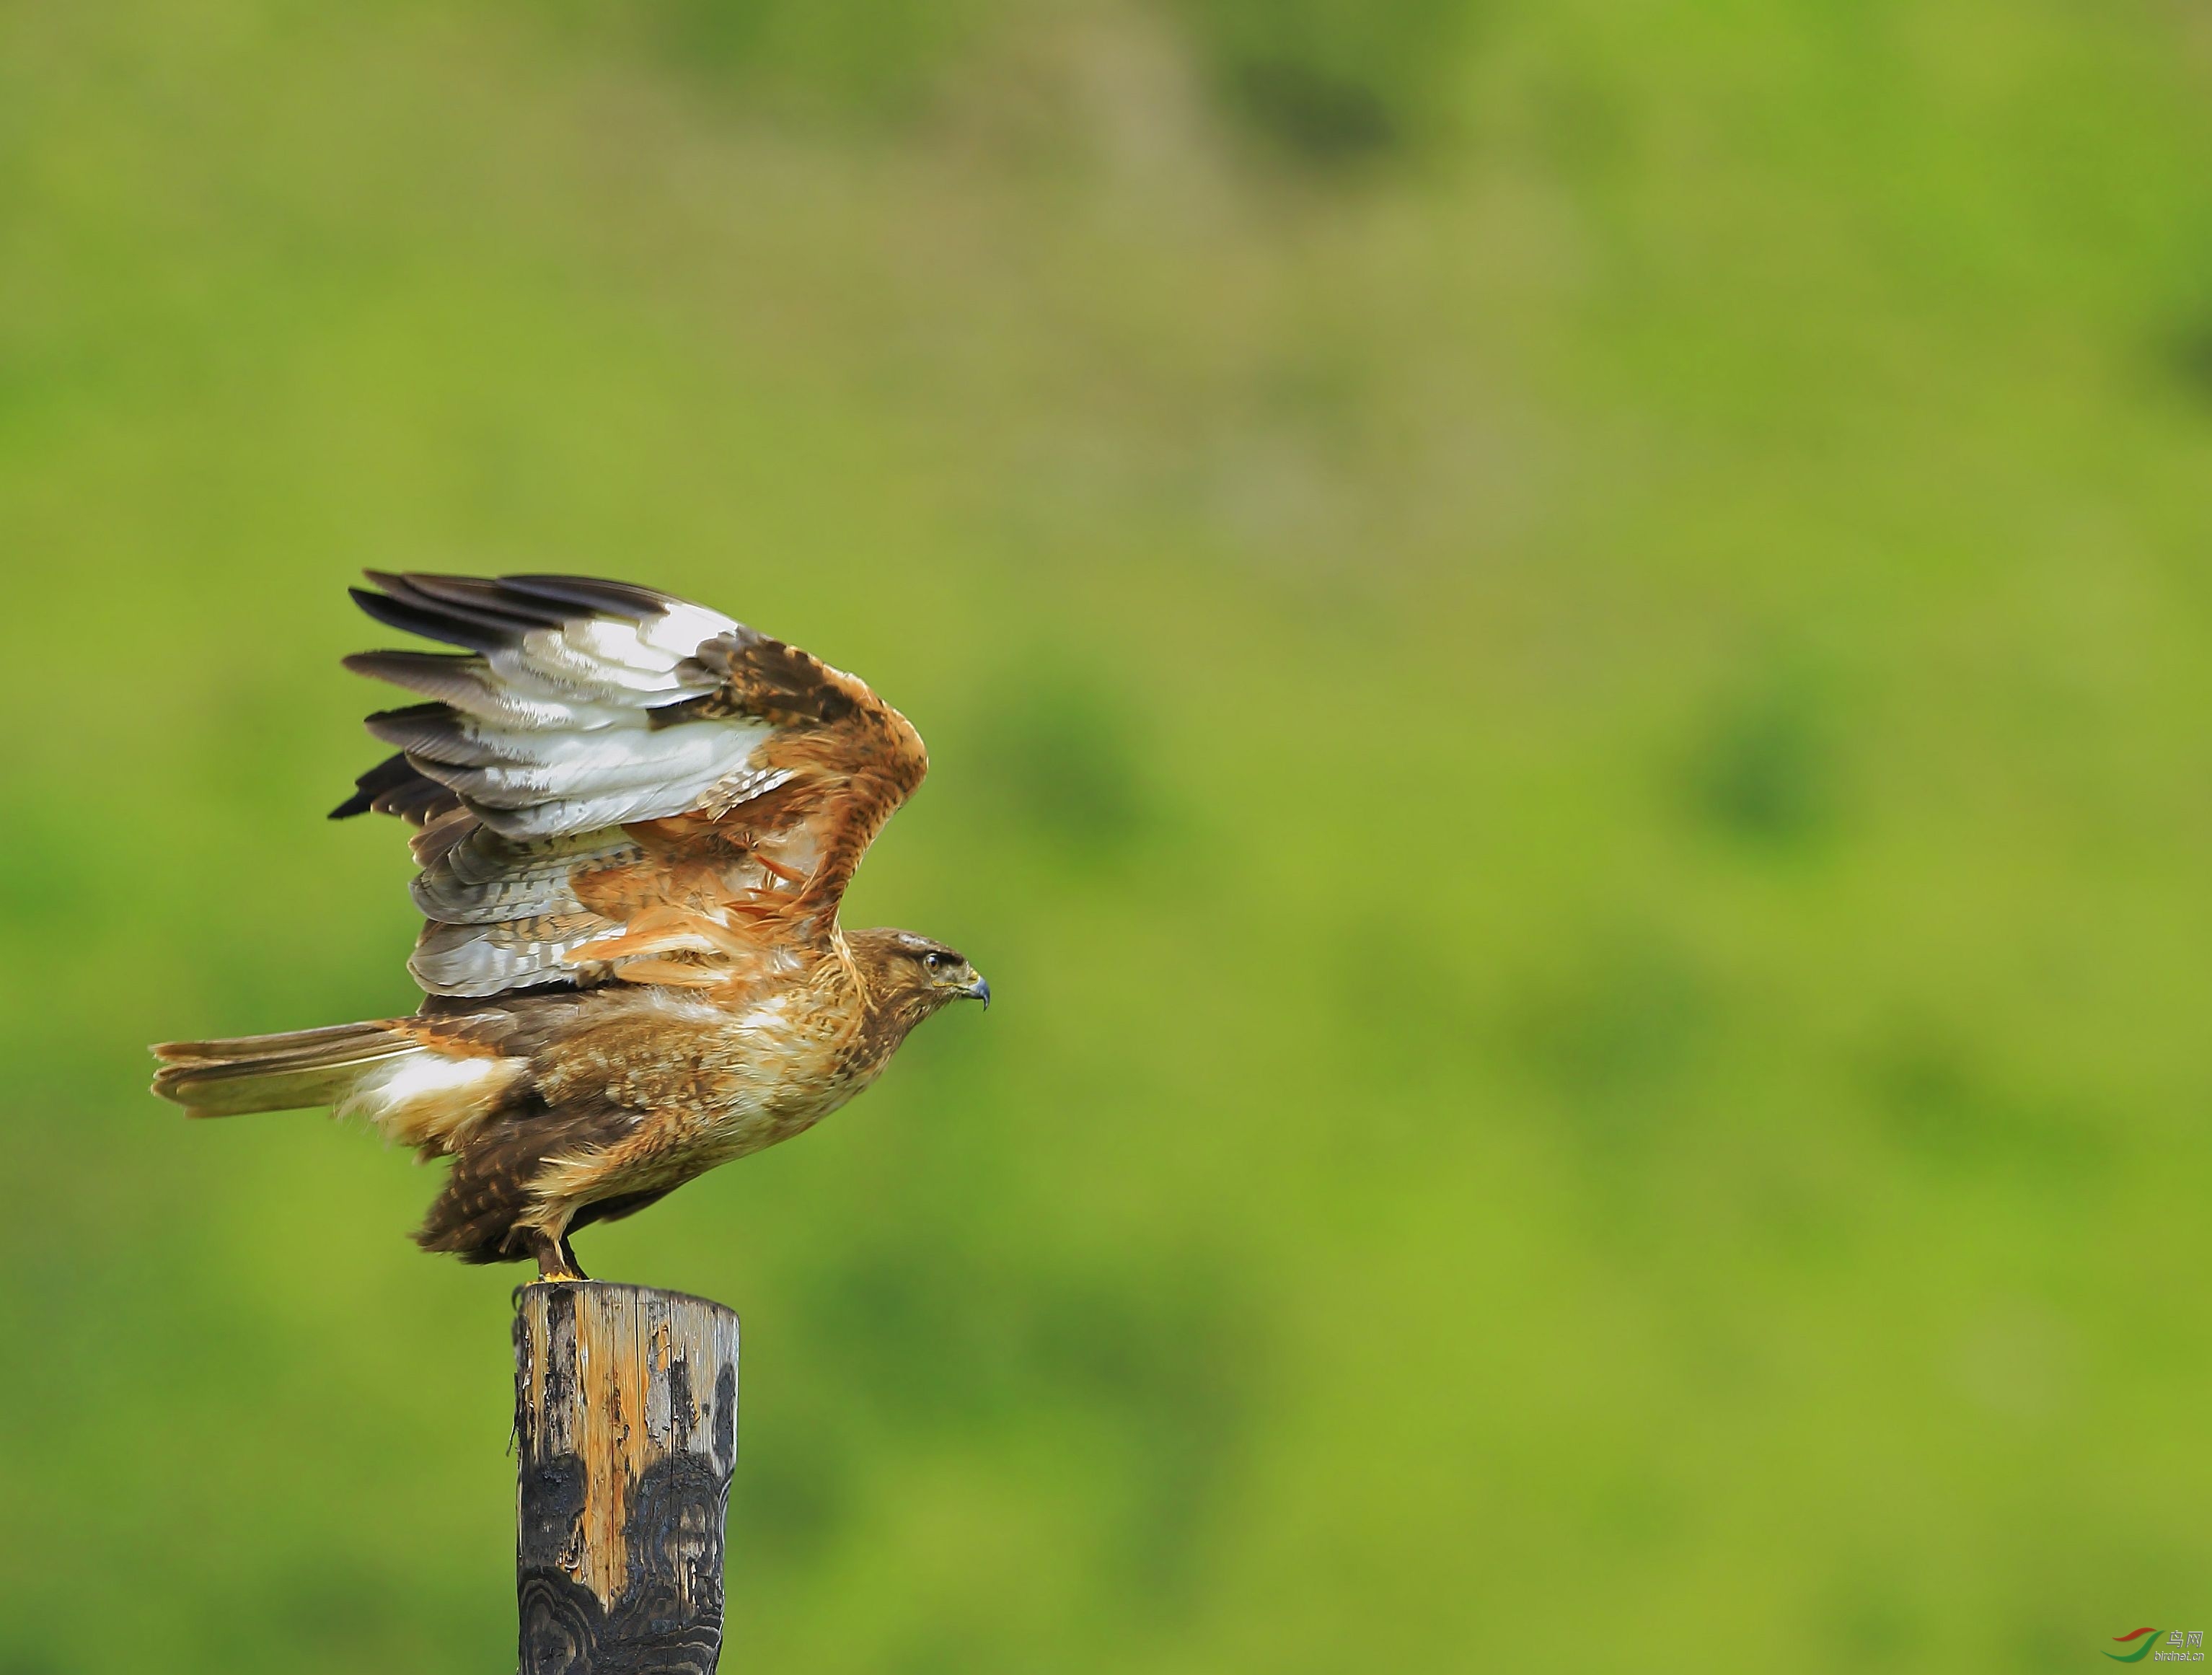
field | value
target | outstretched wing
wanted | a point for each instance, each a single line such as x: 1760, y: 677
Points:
x: 613, y: 783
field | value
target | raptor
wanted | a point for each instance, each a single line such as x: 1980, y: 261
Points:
x: 636, y: 819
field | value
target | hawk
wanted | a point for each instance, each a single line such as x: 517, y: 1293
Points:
x: 636, y: 819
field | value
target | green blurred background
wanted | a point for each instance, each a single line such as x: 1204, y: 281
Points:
x: 1569, y: 651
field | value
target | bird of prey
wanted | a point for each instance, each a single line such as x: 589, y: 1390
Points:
x: 636, y: 820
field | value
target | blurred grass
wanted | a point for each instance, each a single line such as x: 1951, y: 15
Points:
x: 1567, y: 655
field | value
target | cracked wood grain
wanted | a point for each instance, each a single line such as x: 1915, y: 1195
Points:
x: 625, y: 1417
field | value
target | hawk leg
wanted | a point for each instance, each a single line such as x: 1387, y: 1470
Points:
x: 555, y: 1261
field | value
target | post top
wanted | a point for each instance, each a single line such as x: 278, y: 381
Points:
x: 546, y: 1290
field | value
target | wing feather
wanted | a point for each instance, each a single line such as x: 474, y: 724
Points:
x: 486, y: 879
x: 614, y: 782
x: 483, y: 959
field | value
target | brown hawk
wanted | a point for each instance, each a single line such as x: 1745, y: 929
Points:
x: 637, y: 818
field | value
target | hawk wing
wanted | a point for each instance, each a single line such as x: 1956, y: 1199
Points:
x: 615, y: 784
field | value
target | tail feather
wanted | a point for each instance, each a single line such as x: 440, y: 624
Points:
x: 306, y: 1067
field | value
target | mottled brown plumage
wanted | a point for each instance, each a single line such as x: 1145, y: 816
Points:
x: 637, y: 820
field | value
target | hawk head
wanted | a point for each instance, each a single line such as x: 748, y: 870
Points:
x: 908, y: 976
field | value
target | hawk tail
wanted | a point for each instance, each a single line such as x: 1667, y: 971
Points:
x: 306, y: 1067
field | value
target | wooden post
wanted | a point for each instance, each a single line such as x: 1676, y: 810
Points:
x: 626, y: 1426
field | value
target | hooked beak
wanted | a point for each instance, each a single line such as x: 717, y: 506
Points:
x: 979, y: 991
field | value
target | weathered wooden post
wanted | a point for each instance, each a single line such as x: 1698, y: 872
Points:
x: 626, y: 1426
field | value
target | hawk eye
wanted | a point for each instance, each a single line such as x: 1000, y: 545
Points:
x: 933, y: 960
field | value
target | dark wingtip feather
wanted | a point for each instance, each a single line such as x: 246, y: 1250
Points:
x: 591, y: 593
x: 450, y: 626
x: 430, y: 731
x: 475, y: 597
x: 449, y: 676
x: 486, y: 613
x: 386, y: 776
x: 397, y: 786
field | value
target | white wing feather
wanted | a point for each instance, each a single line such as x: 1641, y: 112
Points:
x: 547, y: 732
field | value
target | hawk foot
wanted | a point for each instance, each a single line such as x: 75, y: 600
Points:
x: 555, y: 1260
